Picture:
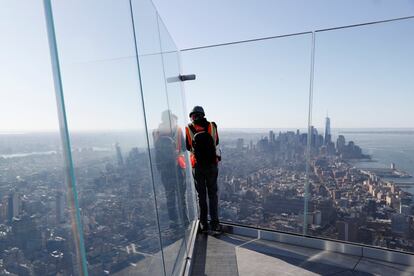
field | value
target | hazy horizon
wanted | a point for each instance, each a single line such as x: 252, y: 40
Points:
x: 362, y: 74
x: 388, y: 129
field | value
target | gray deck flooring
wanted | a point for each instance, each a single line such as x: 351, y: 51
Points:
x: 229, y: 255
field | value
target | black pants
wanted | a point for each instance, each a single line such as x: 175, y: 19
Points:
x: 175, y: 187
x: 205, y: 179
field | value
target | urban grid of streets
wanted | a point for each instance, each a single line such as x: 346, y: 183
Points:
x: 261, y: 181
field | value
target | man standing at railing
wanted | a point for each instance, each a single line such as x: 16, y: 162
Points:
x: 202, y: 141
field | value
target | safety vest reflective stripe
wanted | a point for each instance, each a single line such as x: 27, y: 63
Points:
x: 213, y: 132
x: 190, y: 137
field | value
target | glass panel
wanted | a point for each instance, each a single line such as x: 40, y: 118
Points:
x: 362, y: 179
x: 37, y: 223
x: 178, y: 120
x: 109, y: 143
x: 162, y: 121
x: 257, y: 93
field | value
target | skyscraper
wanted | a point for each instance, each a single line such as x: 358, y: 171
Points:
x: 272, y: 136
x: 240, y: 143
x: 340, y: 143
x: 327, y: 139
x: 13, y: 208
x: 119, y: 155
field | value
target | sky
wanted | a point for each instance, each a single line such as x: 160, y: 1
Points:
x: 362, y: 75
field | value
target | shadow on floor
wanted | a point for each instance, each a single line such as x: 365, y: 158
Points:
x: 214, y: 255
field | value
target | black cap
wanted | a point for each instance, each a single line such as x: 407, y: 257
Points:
x: 197, y: 109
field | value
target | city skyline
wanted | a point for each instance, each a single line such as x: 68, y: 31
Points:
x: 262, y: 183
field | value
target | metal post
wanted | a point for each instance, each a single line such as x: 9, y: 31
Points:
x: 76, y: 224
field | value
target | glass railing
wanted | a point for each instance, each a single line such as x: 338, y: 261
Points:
x: 89, y: 187
x: 316, y: 131
x: 364, y: 172
x: 248, y: 89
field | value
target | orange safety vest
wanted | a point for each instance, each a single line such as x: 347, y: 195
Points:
x: 190, y: 137
x: 180, y: 156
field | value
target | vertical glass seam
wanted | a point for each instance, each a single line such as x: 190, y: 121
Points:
x: 184, y: 103
x: 64, y: 133
x: 147, y: 135
x: 163, y: 69
x: 308, y: 146
x: 191, y: 240
x: 180, y: 216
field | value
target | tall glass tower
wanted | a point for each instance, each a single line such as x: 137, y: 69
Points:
x: 327, y: 137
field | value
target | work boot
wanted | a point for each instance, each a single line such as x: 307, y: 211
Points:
x: 216, y: 228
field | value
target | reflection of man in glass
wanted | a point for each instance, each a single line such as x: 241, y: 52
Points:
x: 169, y: 157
